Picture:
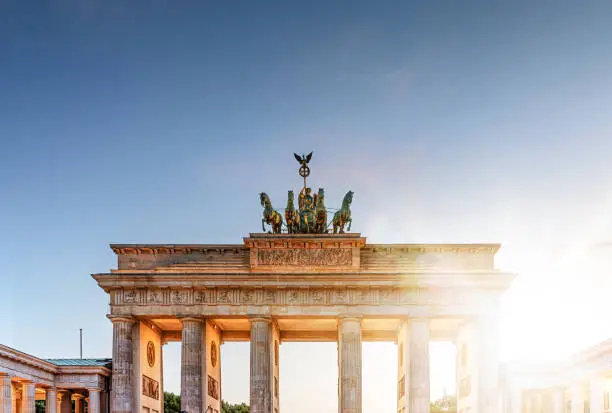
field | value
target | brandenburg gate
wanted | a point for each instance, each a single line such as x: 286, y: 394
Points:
x: 306, y: 284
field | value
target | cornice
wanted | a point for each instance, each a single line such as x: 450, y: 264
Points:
x: 469, y: 280
x: 27, y: 359
x: 156, y: 249
x: 267, y: 239
x: 104, y: 371
x: 477, y: 248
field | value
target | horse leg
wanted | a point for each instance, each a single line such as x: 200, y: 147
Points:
x: 350, y: 221
x: 263, y: 228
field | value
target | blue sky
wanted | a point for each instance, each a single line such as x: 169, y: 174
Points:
x: 162, y: 121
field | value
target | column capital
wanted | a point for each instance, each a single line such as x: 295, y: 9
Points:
x: 344, y: 318
x: 189, y: 318
x: 260, y: 319
x: 121, y: 318
x: 94, y: 389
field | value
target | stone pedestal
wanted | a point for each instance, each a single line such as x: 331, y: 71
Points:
x: 191, y: 365
x: 93, y: 405
x: 6, y: 394
x: 419, y: 366
x: 261, y: 394
x: 51, y: 401
x: 349, y: 365
x: 28, y: 397
x: 122, y: 395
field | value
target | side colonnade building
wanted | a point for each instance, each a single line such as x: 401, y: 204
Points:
x: 580, y: 384
x: 66, y: 385
x: 276, y: 288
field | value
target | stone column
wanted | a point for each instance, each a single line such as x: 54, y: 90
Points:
x: 79, y: 403
x: 557, y: 401
x: 349, y: 365
x: 122, y: 395
x: 28, y: 397
x: 261, y: 394
x: 516, y: 400
x: 93, y: 405
x: 487, y: 336
x: 161, y: 373
x: 577, y: 398
x: 403, y: 372
x: 191, y: 365
x: 58, y: 403
x: 419, y: 366
x: 596, y: 396
x: 51, y: 400
x: 64, y: 402
x: 6, y: 394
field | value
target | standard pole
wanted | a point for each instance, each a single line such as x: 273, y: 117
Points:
x: 81, y: 342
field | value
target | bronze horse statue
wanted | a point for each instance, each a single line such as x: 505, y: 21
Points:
x: 292, y: 219
x: 320, y: 213
x: 343, y: 215
x: 270, y: 215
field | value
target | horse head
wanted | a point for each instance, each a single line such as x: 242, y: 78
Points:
x: 263, y: 197
x: 290, y: 197
x: 348, y: 198
x: 321, y: 197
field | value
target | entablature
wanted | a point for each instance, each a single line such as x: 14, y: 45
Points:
x: 304, y: 253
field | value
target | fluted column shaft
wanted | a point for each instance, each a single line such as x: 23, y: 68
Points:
x: 93, y: 406
x: 28, y: 397
x: 122, y: 394
x: 516, y: 401
x: 6, y: 394
x: 558, y: 406
x: 261, y: 393
x: 191, y: 366
x: 51, y: 401
x: 577, y: 398
x: 349, y: 365
x: 487, y: 333
x: 419, y: 366
x: 79, y: 404
x: 58, y: 402
x: 596, y: 403
x: 65, y: 403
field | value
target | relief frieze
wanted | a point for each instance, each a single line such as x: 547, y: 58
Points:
x: 180, y: 296
x: 150, y: 387
x: 305, y: 257
x: 315, y: 296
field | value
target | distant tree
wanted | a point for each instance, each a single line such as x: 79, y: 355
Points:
x: 172, y: 403
x: 446, y: 404
x: 39, y: 406
x: 234, y: 408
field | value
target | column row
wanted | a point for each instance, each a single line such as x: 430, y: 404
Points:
x: 55, y: 401
x: 201, y: 381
